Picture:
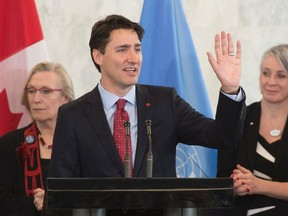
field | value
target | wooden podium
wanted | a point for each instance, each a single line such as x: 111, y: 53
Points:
x: 138, y: 193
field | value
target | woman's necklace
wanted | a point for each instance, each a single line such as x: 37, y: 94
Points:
x: 42, y: 142
x: 275, y: 132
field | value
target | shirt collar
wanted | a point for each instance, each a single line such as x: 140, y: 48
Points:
x: 109, y: 99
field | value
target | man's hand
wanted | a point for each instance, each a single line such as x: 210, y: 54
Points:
x: 227, y: 66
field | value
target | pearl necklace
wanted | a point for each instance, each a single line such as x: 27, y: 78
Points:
x: 42, y: 142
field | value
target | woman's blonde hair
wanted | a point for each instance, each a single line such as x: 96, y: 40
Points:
x: 280, y: 52
x: 66, y: 83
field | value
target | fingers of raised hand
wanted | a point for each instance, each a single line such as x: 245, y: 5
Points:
x: 227, y: 45
x: 230, y: 45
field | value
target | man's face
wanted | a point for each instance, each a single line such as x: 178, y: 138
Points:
x: 121, y: 63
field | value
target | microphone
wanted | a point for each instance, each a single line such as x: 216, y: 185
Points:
x: 149, y: 160
x: 127, y: 171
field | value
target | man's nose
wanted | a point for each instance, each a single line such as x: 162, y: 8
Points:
x: 133, y: 57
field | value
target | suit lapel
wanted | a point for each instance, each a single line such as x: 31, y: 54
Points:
x: 145, y: 111
x: 283, y: 148
x: 252, y: 122
x: 97, y: 118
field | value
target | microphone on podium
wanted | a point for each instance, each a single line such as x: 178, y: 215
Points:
x: 149, y: 165
x: 127, y: 171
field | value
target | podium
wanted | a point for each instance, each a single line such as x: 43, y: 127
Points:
x: 138, y: 193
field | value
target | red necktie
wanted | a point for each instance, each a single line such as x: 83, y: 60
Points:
x: 119, y: 135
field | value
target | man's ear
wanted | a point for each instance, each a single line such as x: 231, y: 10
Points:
x: 97, y: 56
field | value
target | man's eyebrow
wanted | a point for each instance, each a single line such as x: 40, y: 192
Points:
x: 123, y: 46
x: 128, y: 45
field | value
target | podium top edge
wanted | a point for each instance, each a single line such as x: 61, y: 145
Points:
x: 142, y: 178
x: 136, y: 183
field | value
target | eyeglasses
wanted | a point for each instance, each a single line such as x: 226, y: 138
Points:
x: 46, y: 92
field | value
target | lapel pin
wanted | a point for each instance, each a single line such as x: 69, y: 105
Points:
x: 30, y: 139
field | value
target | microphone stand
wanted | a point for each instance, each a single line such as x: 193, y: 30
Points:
x: 149, y: 160
x: 127, y: 171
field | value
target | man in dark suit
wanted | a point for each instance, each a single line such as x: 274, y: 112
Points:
x: 83, y: 143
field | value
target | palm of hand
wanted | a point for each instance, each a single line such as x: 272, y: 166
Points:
x: 228, y: 70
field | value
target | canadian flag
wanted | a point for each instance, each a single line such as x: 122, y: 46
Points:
x: 21, y: 47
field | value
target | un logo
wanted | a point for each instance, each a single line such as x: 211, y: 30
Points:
x: 188, y: 163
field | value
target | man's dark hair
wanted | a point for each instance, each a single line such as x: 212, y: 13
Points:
x: 102, y: 29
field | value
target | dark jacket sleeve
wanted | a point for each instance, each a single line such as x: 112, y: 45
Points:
x: 223, y: 132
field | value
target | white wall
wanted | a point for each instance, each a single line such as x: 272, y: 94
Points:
x: 258, y: 24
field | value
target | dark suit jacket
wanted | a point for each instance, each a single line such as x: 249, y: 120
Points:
x: 245, y: 156
x: 83, y: 145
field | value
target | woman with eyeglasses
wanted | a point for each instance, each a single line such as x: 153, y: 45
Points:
x: 25, y: 153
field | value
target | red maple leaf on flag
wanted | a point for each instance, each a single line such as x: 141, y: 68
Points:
x: 8, y: 121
